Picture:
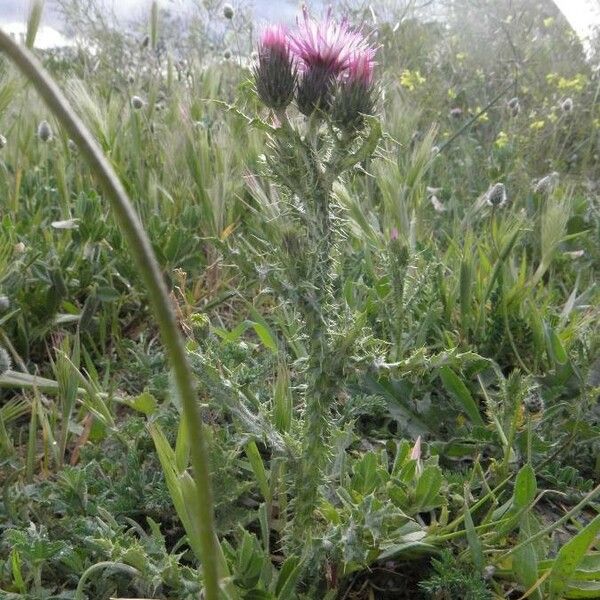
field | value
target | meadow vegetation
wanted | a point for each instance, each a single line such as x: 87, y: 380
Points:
x: 391, y: 319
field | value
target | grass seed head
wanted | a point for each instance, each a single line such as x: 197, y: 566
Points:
x: 514, y: 106
x: 5, y: 361
x: 533, y: 403
x: 546, y: 184
x: 137, y: 102
x: 44, y: 131
x: 567, y: 105
x: 496, y: 195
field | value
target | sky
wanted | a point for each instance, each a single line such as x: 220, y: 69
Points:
x: 13, y: 14
x: 581, y: 14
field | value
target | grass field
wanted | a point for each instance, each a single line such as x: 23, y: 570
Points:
x: 390, y: 322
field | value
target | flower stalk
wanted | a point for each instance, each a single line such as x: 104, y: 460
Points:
x: 332, y: 66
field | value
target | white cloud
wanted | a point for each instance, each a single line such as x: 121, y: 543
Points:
x: 47, y: 37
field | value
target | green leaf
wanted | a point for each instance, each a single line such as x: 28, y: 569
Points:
x: 459, y: 391
x: 473, y: 540
x: 265, y: 335
x: 258, y: 468
x: 569, y: 558
x: 145, y: 403
x: 427, y: 495
x: 366, y: 474
x: 258, y: 595
x: 525, y: 561
x: 182, y: 447
x: 107, y: 294
x: 583, y: 589
x: 556, y: 351
x: 282, y: 400
x: 288, y: 577
x: 525, y: 487
x: 263, y: 331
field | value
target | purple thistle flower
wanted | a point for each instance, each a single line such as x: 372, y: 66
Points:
x: 327, y: 51
x: 354, y: 94
x: 360, y: 67
x: 326, y: 44
x: 276, y: 72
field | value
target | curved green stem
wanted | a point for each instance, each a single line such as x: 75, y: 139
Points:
x: 117, y: 566
x: 145, y: 260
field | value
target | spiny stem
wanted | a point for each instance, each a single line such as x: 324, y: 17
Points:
x: 157, y: 292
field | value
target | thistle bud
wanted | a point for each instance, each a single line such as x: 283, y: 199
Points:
x: 4, y: 303
x: 354, y: 97
x: 227, y: 54
x: 137, y: 102
x: 5, y: 361
x: 275, y: 74
x: 2, y: 141
x: 496, y: 195
x: 44, y: 131
x: 456, y: 113
x: 314, y: 90
x: 228, y: 12
x: 200, y: 326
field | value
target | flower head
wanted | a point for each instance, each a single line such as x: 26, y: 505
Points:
x: 354, y: 95
x: 228, y: 11
x: 534, y: 403
x: 546, y: 184
x: 326, y: 44
x: 44, y: 131
x: 328, y: 51
x: 514, y: 106
x: 496, y: 195
x: 276, y: 72
x: 567, y: 105
x: 137, y: 102
x: 5, y: 361
x: 360, y: 67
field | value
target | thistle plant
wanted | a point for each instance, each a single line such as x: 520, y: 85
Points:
x: 327, y: 68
